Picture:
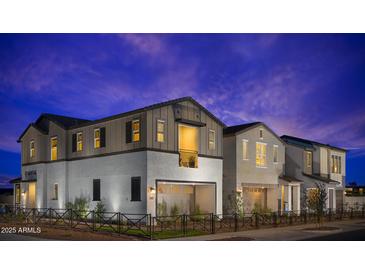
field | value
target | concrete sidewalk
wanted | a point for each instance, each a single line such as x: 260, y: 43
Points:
x: 289, y: 233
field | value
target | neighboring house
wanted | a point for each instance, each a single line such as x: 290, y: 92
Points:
x: 253, y: 168
x: 354, y: 195
x: 158, y: 159
x: 316, y: 163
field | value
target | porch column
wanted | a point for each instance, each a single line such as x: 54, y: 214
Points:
x: 289, y: 198
x: 298, y: 189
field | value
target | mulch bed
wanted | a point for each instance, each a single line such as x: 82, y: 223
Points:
x: 60, y: 234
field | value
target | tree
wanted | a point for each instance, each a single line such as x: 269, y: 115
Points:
x: 316, y: 201
x: 236, y: 203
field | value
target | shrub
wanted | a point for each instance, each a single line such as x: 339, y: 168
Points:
x: 162, y: 208
x: 100, y: 209
x: 80, y: 205
x: 174, y: 211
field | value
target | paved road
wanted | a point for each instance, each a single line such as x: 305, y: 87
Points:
x: 356, y: 235
x: 18, y: 237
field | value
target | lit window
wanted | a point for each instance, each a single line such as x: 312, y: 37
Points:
x: 211, y: 139
x: 188, y: 146
x: 54, y: 144
x: 97, y: 138
x: 135, y: 131
x: 308, y: 159
x: 17, y: 194
x: 245, y: 149
x: 261, y: 134
x: 275, y: 152
x: 79, y: 141
x: 160, y: 131
x: 32, y: 149
x: 260, y: 155
x: 336, y: 164
x: 55, y: 192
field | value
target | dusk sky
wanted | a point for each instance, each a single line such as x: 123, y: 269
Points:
x: 309, y: 86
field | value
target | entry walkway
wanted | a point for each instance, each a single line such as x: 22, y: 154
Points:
x: 289, y: 233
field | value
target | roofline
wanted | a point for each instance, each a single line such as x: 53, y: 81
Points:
x: 314, y: 142
x: 150, y: 107
x: 252, y: 127
x: 29, y: 126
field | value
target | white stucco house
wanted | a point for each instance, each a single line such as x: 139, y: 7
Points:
x: 158, y: 159
x: 254, y: 168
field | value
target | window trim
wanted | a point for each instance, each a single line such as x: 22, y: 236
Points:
x: 159, y: 121
x: 245, y: 141
x: 308, y: 152
x: 214, y: 139
x: 81, y: 142
x: 54, y: 138
x: 277, y: 154
x: 259, y: 166
x: 95, y: 138
x: 139, y: 130
x: 32, y: 149
x: 18, y: 195
x: 261, y: 133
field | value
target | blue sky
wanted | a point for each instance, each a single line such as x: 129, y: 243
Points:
x: 307, y: 85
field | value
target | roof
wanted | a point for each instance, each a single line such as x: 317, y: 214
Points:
x: 232, y: 130
x: 238, y: 128
x: 15, y: 180
x: 307, y: 143
x: 289, y: 178
x: 72, y: 122
x: 320, y: 178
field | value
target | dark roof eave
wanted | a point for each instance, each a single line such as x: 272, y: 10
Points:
x: 320, y: 178
x: 311, y: 142
x: 30, y: 125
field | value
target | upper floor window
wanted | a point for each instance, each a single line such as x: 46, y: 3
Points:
x: 54, y: 148
x: 275, y: 153
x: 245, y: 149
x: 136, y: 189
x: 308, y: 159
x: 79, y: 140
x: 96, y: 190
x: 32, y: 149
x: 211, y: 139
x: 99, y: 137
x: 160, y: 131
x: 188, y: 146
x: 135, y: 131
x: 336, y: 164
x: 261, y: 133
x: 260, y: 155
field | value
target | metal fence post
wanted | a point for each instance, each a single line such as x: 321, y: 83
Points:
x: 257, y: 220
x: 118, y: 225
x: 212, y: 223
x: 71, y: 218
x: 93, y: 220
x: 235, y: 222
x: 274, y: 219
x: 351, y: 213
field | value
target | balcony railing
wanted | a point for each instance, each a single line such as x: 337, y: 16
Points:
x: 188, y: 158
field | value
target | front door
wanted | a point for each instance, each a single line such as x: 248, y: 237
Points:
x: 31, y: 195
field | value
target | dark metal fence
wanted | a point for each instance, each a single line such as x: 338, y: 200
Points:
x: 144, y: 225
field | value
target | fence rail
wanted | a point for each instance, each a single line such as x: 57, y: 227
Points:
x: 147, y: 226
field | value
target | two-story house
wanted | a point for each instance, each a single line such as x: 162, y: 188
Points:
x: 316, y: 163
x: 157, y: 159
x: 254, y: 159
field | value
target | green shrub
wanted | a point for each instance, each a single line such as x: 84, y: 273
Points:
x: 80, y: 205
x: 174, y: 211
x: 162, y: 208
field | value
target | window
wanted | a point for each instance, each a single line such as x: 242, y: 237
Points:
x: 17, y: 193
x: 245, y: 149
x: 188, y: 146
x: 136, y: 189
x: 336, y: 164
x: 275, y: 153
x: 160, y: 131
x: 55, y: 192
x: 308, y: 159
x: 32, y: 149
x: 99, y: 137
x: 54, y: 144
x: 211, y: 140
x: 260, y: 155
x: 261, y: 133
x: 96, y: 190
x: 79, y: 141
x: 135, y: 131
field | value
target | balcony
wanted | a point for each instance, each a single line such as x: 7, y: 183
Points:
x: 188, y: 158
